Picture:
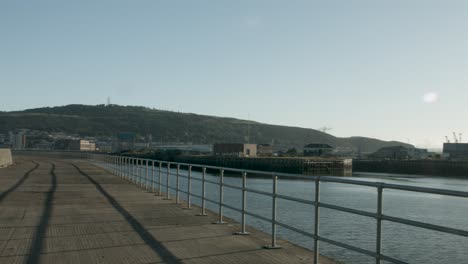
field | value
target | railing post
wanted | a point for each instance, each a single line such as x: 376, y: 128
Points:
x: 118, y: 165
x: 167, y: 181
x: 203, y: 194
x: 125, y: 168
x: 244, y: 197
x: 160, y: 179
x: 317, y: 220
x: 128, y: 168
x: 138, y: 172
x: 378, y: 243
x: 221, y: 198
x: 189, y: 187
x: 135, y: 175
x: 121, y: 166
x: 133, y: 170
x: 273, y: 215
x: 147, y: 175
x: 141, y: 173
x: 177, y: 184
x: 153, y: 177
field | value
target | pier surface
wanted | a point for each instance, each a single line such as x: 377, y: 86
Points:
x: 70, y: 211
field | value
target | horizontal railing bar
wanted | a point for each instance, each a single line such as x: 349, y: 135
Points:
x: 295, y: 229
x: 299, y: 200
x: 281, y: 224
x: 393, y: 260
x: 259, y: 192
x: 348, y: 210
x: 211, y: 201
x: 212, y: 182
x: 353, y: 248
x: 331, y: 179
x: 439, y: 228
x: 232, y: 207
x: 425, y: 190
x: 336, y: 180
x: 196, y: 195
x: 259, y: 217
x: 232, y: 186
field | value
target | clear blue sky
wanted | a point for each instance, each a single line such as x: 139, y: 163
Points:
x: 360, y: 67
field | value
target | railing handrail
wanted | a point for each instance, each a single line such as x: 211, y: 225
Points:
x: 119, y: 165
x: 323, y: 179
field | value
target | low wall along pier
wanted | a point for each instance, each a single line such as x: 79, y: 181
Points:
x: 5, y: 157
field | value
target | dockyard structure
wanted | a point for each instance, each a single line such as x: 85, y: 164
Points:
x: 235, y: 149
x: 456, y: 150
x: 400, y: 153
x: 75, y: 145
x: 317, y: 150
x: 126, y: 141
x: 264, y: 150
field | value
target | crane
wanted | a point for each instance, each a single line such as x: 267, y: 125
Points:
x: 324, y: 129
x: 455, y: 137
x: 448, y: 140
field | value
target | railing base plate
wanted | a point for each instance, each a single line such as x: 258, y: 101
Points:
x: 241, y: 233
x: 271, y: 247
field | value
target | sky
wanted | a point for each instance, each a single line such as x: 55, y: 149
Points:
x: 393, y: 70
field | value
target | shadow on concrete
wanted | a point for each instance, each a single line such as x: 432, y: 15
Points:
x: 40, y: 233
x: 155, y: 245
x: 18, y: 183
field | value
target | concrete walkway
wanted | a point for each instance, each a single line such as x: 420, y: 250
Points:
x: 69, y: 211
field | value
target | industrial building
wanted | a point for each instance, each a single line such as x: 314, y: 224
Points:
x: 126, y: 141
x: 400, y: 153
x: 317, y: 150
x: 264, y: 150
x: 74, y: 145
x: 456, y: 150
x: 235, y: 149
x: 18, y: 140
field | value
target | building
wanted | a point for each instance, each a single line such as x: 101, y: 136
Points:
x: 18, y: 140
x: 105, y: 146
x: 126, y: 141
x: 456, y: 150
x: 235, y: 149
x: 86, y: 145
x: 317, y: 150
x: 74, y: 145
x: 264, y: 150
x: 400, y: 153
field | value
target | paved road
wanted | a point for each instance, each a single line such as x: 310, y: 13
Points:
x: 69, y: 211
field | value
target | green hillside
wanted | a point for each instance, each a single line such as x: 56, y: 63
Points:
x: 166, y: 126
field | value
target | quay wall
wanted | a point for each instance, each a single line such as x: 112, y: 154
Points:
x: 446, y: 168
x: 329, y: 166
x: 5, y: 157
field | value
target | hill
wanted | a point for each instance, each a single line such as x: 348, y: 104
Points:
x: 167, y: 126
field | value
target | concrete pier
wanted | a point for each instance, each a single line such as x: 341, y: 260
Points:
x: 70, y: 211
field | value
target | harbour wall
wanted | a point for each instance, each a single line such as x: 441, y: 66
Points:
x: 5, y: 157
x: 298, y: 165
x: 446, y: 168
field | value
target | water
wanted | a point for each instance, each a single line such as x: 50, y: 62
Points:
x: 409, y: 244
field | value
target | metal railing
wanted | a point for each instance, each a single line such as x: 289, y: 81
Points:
x: 130, y: 168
